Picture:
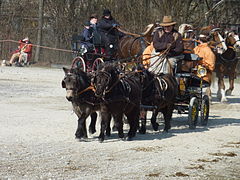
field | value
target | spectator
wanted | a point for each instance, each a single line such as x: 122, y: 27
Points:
x: 23, y: 53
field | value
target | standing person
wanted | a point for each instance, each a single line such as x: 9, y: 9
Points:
x: 167, y: 38
x: 24, y: 51
x: 109, y: 33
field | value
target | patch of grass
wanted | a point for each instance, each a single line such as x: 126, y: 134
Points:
x: 180, y: 174
x: 153, y: 175
x: 229, y: 154
x: 234, y: 143
x: 147, y: 149
x: 196, y: 167
x: 207, y: 160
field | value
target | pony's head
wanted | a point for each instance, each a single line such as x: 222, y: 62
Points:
x: 187, y: 31
x: 74, y: 81
x: 232, y: 40
x: 104, y: 79
x: 218, y: 40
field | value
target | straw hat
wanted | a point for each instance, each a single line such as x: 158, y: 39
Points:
x: 167, y: 21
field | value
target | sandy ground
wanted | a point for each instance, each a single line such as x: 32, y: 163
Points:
x: 37, y: 140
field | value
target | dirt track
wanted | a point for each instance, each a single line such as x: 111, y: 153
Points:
x: 37, y: 129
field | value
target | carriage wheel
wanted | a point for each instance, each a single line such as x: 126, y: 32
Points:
x: 193, y: 112
x: 79, y: 62
x: 97, y: 63
x: 204, y: 110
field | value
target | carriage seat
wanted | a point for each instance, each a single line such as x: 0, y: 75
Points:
x: 191, y: 57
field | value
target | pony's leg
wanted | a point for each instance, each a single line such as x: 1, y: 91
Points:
x: 92, y: 126
x: 81, y: 129
x: 104, y: 122
x: 133, y: 119
x: 119, y: 124
x: 108, y: 130
x: 221, y: 89
x: 143, y: 121
x: 153, y: 120
x: 167, y: 113
x: 209, y: 93
x: 231, y: 86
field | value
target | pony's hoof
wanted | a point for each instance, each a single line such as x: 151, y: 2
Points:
x: 129, y: 138
x: 229, y: 92
x: 100, y: 140
x: 92, y: 131
x: 155, y: 126
x: 224, y: 100
x: 142, y: 131
x: 108, y: 134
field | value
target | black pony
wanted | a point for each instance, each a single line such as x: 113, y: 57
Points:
x: 120, y: 95
x: 159, y: 91
x: 79, y: 91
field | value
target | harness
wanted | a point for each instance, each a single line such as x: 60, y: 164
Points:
x: 163, y: 86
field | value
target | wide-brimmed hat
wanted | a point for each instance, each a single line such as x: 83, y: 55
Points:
x: 167, y: 21
x: 106, y: 12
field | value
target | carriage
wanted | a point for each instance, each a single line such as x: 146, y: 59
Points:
x: 190, y: 99
x: 87, y: 59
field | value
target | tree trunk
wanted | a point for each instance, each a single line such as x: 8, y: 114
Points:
x: 39, y: 33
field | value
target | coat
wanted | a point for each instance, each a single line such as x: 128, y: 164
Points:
x: 161, y: 40
x: 208, y: 61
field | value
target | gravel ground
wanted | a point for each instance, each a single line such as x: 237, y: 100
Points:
x: 37, y: 140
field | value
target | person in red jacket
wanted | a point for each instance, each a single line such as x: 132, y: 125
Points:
x: 23, y: 53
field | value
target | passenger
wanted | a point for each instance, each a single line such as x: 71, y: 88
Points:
x: 87, y: 37
x: 207, y: 55
x: 166, y: 38
x: 107, y: 28
x: 23, y: 53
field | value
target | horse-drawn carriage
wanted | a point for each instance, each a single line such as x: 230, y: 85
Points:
x: 190, y: 98
x: 88, y: 58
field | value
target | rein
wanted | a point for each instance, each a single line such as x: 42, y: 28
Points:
x: 87, y: 89
x: 128, y: 33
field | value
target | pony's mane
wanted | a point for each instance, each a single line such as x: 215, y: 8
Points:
x: 149, y: 29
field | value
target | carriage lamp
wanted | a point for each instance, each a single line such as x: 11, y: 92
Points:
x: 201, y: 71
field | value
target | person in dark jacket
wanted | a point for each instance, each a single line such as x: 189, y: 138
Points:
x: 109, y: 33
x: 168, y: 38
x: 86, y: 37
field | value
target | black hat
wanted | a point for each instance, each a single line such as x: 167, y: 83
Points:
x: 87, y: 23
x: 94, y: 16
x: 106, y: 12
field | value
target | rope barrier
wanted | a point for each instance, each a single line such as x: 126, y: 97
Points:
x: 35, y: 45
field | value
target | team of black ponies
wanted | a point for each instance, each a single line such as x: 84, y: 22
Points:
x: 114, y: 94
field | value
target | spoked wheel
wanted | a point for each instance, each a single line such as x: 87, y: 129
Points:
x: 97, y: 63
x: 193, y: 112
x: 204, y: 110
x: 79, y: 62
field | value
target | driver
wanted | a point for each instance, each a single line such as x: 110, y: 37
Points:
x: 109, y: 33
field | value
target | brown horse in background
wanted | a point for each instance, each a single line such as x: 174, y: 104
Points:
x: 132, y: 45
x: 226, y: 65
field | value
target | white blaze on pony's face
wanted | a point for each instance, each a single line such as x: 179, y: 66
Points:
x: 224, y: 46
x: 237, y: 44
